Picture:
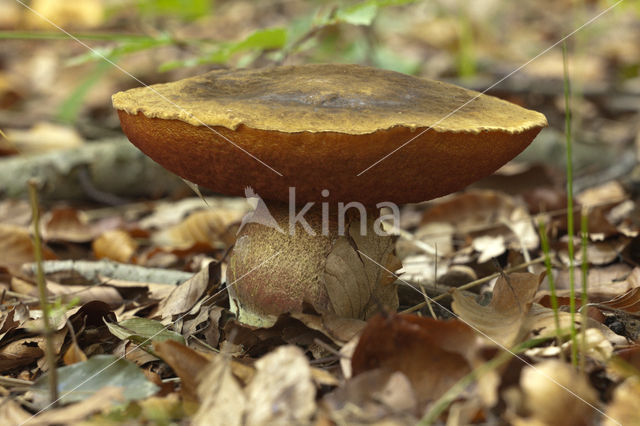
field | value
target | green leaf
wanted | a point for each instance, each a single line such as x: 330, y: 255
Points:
x: 187, y: 9
x: 260, y: 40
x: 79, y: 381
x: 364, y: 13
x: 143, y: 331
x: 358, y: 14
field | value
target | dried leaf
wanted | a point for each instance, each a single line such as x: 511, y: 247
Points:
x: 98, y: 402
x: 373, y: 397
x: 282, y: 391
x: 116, y: 245
x: 205, y: 226
x: 184, y: 297
x: 16, y: 246
x: 547, y: 398
x: 73, y: 355
x: 501, y: 321
x: 221, y: 397
x: 432, y: 354
x: 187, y: 363
x: 623, y: 409
x: 67, y: 224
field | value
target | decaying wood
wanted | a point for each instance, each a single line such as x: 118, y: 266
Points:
x: 98, y: 270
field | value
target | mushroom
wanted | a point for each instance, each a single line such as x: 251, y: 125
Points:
x: 323, y: 145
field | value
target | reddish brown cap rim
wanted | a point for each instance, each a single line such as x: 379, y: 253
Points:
x: 320, y: 126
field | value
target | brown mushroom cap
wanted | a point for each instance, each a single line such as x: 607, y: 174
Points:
x: 322, y: 125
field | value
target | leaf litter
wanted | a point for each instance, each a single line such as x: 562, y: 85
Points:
x: 164, y: 266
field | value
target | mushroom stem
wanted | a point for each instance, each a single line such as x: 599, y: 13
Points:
x: 290, y: 260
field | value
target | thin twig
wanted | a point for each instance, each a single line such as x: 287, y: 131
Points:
x: 42, y: 289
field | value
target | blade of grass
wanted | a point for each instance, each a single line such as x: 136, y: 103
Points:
x: 584, y: 230
x: 42, y: 290
x: 439, y: 406
x: 570, y: 227
x: 68, y: 111
x: 544, y: 242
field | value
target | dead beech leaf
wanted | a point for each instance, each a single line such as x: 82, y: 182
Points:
x: 204, y: 226
x: 116, y: 245
x: 16, y: 246
x: 98, y: 402
x: 501, y: 320
x: 338, y: 329
x: 352, y: 280
x: 432, y: 354
x: 187, y: 364
x: 282, y: 390
x: 489, y: 247
x: 492, y: 212
x: 12, y: 413
x: 628, y: 302
x: 221, y: 396
x: 20, y: 352
x: 624, y: 407
x: 73, y: 355
x: 67, y: 224
x: 374, y: 397
x: 185, y: 296
x: 547, y: 400
x: 44, y: 137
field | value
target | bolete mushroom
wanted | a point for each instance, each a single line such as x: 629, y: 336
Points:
x: 324, y: 134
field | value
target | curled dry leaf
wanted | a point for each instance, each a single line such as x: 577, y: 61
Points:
x: 73, y: 354
x: 554, y: 393
x: 67, y: 224
x: 185, y: 296
x: 373, y: 397
x: 502, y: 320
x: 221, y: 396
x: 98, y: 402
x: 116, y: 245
x: 624, y: 407
x: 187, y: 364
x: 16, y: 246
x: 432, y: 354
x: 282, y: 390
x: 209, y: 227
x: 492, y: 212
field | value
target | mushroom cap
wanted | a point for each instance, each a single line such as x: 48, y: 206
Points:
x: 320, y: 126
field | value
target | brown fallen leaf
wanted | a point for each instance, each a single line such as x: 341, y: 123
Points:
x: 554, y: 393
x: 185, y: 296
x: 282, y: 390
x: 204, y: 226
x: 73, y: 355
x: 116, y: 245
x: 97, y: 403
x: 500, y: 321
x: 373, y: 397
x: 221, y: 396
x: 16, y: 246
x: 187, y: 364
x: 623, y: 409
x: 432, y: 354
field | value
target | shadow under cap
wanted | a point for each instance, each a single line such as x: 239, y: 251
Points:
x: 322, y: 125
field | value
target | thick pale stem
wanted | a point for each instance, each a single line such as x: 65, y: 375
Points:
x: 286, y: 261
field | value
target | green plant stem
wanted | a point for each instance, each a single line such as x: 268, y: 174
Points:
x: 442, y: 403
x: 570, y: 227
x: 584, y: 300
x: 57, y: 35
x: 42, y: 290
x: 544, y: 242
